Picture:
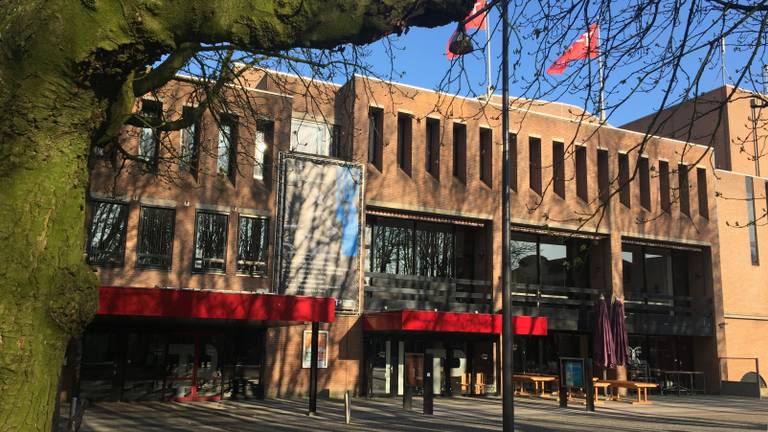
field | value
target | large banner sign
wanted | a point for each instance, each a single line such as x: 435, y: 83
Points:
x: 319, y: 228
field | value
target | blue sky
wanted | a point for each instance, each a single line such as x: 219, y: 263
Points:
x: 421, y: 59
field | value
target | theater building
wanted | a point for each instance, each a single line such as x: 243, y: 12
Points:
x: 191, y: 303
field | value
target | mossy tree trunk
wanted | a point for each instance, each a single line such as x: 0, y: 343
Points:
x: 66, y: 78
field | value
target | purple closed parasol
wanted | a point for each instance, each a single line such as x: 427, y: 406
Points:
x: 603, y: 341
x: 619, y: 331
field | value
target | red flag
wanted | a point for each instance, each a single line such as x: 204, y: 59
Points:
x: 584, y: 47
x: 478, y: 22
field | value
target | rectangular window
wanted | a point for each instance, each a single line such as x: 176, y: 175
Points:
x: 582, y: 188
x: 155, y: 238
x: 432, y: 148
x: 252, y: 246
x: 404, y: 139
x: 603, y: 176
x: 227, y: 147
x: 664, y: 186
x: 149, y: 139
x: 312, y: 137
x: 376, y: 137
x: 534, y: 164
x: 210, y: 242
x: 751, y: 220
x: 106, y: 236
x: 435, y: 250
x: 392, y: 247
x: 263, y: 146
x: 553, y: 261
x: 624, y: 186
x: 645, y: 182
x: 460, y: 151
x: 486, y: 156
x: 701, y: 187
x: 684, y: 189
x: 558, y: 168
x: 513, y: 161
x: 190, y: 145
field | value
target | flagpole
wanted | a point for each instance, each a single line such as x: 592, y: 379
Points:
x: 601, y: 97
x: 488, y: 48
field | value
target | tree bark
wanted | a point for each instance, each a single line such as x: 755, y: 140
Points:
x: 66, y: 71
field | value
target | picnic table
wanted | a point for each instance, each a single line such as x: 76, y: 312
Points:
x: 678, y: 384
x: 640, y: 387
x: 539, y: 382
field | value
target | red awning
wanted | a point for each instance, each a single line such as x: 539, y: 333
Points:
x: 451, y: 322
x: 187, y: 303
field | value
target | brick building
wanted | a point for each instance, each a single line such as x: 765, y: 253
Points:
x: 591, y: 216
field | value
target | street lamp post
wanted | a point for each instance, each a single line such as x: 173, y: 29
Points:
x: 507, y: 332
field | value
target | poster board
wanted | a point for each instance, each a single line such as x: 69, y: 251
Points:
x: 322, y: 349
x: 319, y: 229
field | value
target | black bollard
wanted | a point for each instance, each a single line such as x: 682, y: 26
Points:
x: 408, y: 398
x: 428, y: 379
x: 589, y: 385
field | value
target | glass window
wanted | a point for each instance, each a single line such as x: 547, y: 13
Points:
x: 632, y: 267
x: 252, y: 246
x: 226, y: 146
x: 106, y: 237
x: 554, y: 261
x: 210, y: 242
x: 189, y: 145
x: 148, y: 137
x: 262, y: 140
x: 155, y: 243
x: 753, y: 249
x: 434, y: 250
x: 658, y: 271
x: 310, y: 137
x: 523, y: 258
x: 393, y: 249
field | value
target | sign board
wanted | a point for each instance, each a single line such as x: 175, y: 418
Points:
x: 319, y: 228
x: 322, y: 349
x: 572, y: 371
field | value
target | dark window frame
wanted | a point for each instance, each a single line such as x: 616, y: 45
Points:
x: 568, y: 243
x: 625, y: 185
x: 581, y: 166
x: 644, y: 169
x: 512, y: 142
x: 534, y: 164
x: 152, y: 109
x: 558, y: 168
x: 267, y: 127
x: 486, y: 156
x: 264, y: 249
x: 684, y: 189
x: 664, y: 188
x: 120, y: 254
x: 234, y: 137
x: 702, y: 190
x: 432, y: 147
x: 460, y: 151
x: 376, y: 137
x: 603, y: 175
x: 190, y: 161
x: 140, y: 237
x: 203, y: 268
x: 405, y: 142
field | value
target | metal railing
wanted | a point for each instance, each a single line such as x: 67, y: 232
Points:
x: 396, y: 292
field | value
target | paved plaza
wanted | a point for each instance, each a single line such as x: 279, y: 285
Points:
x: 668, y: 413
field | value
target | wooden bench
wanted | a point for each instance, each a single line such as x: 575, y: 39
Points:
x: 640, y: 387
x: 478, y: 388
x: 539, y: 382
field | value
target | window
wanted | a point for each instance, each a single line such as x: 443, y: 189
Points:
x: 149, y: 139
x: 460, y: 151
x: 660, y: 272
x: 549, y: 260
x: 435, y: 250
x: 701, y: 187
x: 486, y: 156
x: 645, y: 182
x: 753, y: 248
x: 432, y: 148
x: 404, y: 139
x: 405, y: 247
x: 252, y: 246
x: 190, y: 144
x: 375, y: 137
x: 534, y: 163
x: 313, y: 137
x: 227, y: 147
x: 684, y: 188
x: 603, y: 179
x: 513, y: 161
x: 664, y: 186
x: 263, y: 145
x: 210, y: 242
x: 624, y: 190
x: 558, y: 168
x: 582, y: 189
x: 392, y: 248
x: 155, y: 242
x: 106, y: 236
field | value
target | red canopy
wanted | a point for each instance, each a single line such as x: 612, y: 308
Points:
x: 451, y: 322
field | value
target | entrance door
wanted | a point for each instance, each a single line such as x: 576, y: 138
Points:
x: 193, y: 368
